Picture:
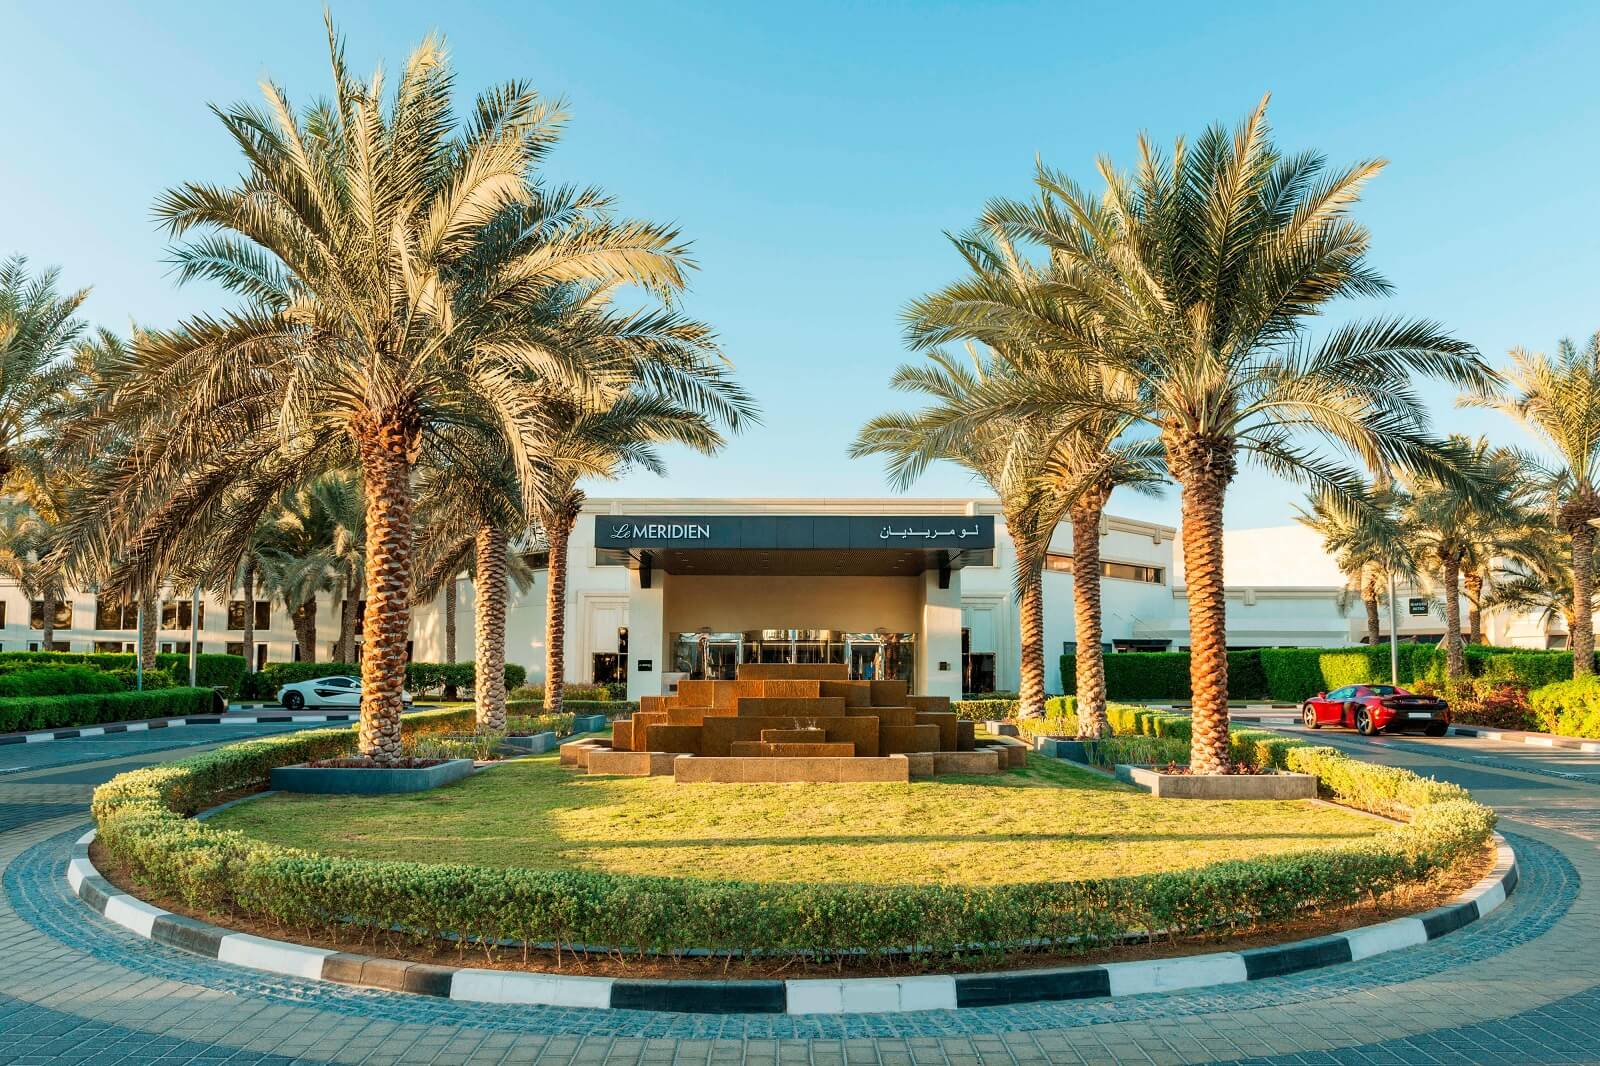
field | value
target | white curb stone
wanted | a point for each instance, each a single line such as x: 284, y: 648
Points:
x: 1389, y: 936
x: 133, y: 914
x: 1166, y: 975
x: 293, y: 960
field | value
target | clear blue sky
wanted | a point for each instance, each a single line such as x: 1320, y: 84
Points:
x: 815, y: 153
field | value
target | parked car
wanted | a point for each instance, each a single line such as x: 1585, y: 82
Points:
x: 335, y: 691
x: 1373, y: 709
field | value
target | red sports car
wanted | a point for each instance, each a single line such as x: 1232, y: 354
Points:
x: 1372, y: 709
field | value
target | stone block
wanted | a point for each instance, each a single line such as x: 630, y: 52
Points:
x: 889, y: 716
x: 794, y: 671
x: 986, y: 761
x: 966, y: 735
x: 792, y: 689
x: 695, y: 770
x: 631, y: 763
x: 695, y: 693
x: 622, y: 734
x: 718, y: 733
x: 946, y: 723
x: 649, y: 704
x: 854, y: 693
x: 575, y: 752
x: 794, y: 736
x: 1015, y: 752
x: 862, y: 732
x: 686, y: 715
x: 790, y: 706
x: 899, y: 740
x: 890, y: 769
x: 938, y: 704
x: 747, y: 749
x: 921, y: 763
x: 889, y: 693
x: 678, y: 739
x: 811, y: 751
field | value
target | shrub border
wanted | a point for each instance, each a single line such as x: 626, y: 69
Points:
x: 868, y: 995
x: 168, y: 723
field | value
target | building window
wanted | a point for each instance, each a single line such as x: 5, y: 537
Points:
x: 611, y: 668
x: 63, y: 615
x: 177, y: 647
x: 109, y: 614
x: 977, y: 668
x: 1155, y: 575
x: 113, y: 646
x: 177, y: 614
x: 55, y: 645
x: 236, y: 647
x: 263, y: 619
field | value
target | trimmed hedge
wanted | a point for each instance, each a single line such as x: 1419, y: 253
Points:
x: 64, y: 712
x: 421, y: 678
x: 56, y: 681
x: 226, y: 672
x: 1290, y: 675
x: 141, y: 820
x: 984, y: 710
x: 609, y: 708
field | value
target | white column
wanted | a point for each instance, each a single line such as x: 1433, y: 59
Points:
x: 647, y: 635
x: 939, y: 643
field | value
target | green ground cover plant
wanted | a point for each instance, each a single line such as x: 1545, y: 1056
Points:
x: 600, y: 824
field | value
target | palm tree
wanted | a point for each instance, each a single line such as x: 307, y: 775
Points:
x: 601, y: 440
x: 1040, y: 473
x: 1369, y: 546
x: 1444, y: 522
x: 388, y: 256
x: 25, y: 537
x: 1197, y: 276
x: 38, y: 327
x: 1543, y: 585
x: 1558, y: 400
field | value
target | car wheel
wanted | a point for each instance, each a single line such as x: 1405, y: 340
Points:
x: 293, y: 701
x: 1364, y: 724
x: 1308, y: 715
x: 1438, y: 729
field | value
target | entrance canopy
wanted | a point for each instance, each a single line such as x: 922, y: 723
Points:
x: 809, y: 545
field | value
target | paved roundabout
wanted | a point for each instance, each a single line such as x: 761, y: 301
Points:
x: 1519, y: 986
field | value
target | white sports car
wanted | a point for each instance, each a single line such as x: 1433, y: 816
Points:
x: 337, y: 691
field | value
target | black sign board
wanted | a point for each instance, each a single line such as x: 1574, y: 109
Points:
x: 1419, y: 606
x: 796, y: 532
x: 646, y: 665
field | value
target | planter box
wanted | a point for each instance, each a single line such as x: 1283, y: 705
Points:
x: 1279, y: 785
x: 1069, y: 748
x: 533, y: 744
x: 589, y: 723
x: 1002, y: 729
x: 356, y: 781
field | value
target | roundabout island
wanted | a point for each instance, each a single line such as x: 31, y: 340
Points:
x: 536, y: 881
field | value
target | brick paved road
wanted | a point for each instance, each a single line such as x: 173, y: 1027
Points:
x: 1518, y: 987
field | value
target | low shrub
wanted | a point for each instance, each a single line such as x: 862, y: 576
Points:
x: 559, y: 724
x: 427, y: 679
x: 1568, y: 708
x: 142, y: 821
x: 588, y: 693
x: 1483, y: 701
x: 133, y: 679
x: 477, y: 746
x: 65, y: 712
x: 609, y: 708
x: 984, y: 710
x: 991, y: 695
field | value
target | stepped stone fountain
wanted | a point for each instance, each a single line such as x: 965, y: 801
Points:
x: 793, y: 722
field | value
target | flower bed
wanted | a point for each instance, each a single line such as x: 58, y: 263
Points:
x: 142, y: 823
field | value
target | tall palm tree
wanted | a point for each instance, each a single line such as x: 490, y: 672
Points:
x: 1543, y: 585
x: 1444, y: 522
x: 1197, y: 276
x: 25, y: 537
x: 388, y: 255
x: 38, y: 328
x: 601, y: 439
x: 1040, y: 473
x: 1369, y: 546
x: 1558, y: 400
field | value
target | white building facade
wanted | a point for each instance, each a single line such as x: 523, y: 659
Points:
x: 661, y: 589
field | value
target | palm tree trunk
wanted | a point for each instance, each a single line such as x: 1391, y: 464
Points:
x: 347, y: 618
x: 1582, y: 599
x: 1092, y: 720
x: 1203, y: 468
x: 489, y: 670
x: 249, y: 634
x: 1473, y: 580
x: 1031, y: 610
x: 1454, y: 663
x: 558, y: 530
x: 450, y: 620
x: 147, y: 634
x: 47, y: 639
x: 1369, y: 598
x: 385, y: 450
x: 304, y: 618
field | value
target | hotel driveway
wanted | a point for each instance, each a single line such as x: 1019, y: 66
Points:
x: 1519, y: 986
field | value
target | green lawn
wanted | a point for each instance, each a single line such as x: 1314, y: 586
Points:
x: 1048, y: 822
